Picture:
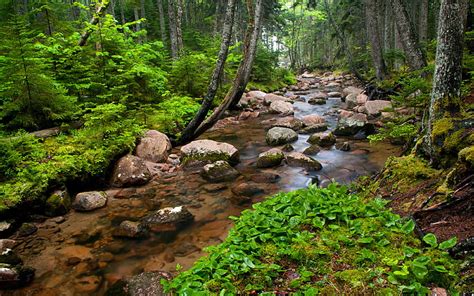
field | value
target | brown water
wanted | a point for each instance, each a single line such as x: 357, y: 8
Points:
x: 80, y: 256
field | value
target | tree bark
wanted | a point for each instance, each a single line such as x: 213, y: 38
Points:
x: 173, y: 30
x: 423, y: 21
x: 159, y: 3
x: 100, y: 12
x: 445, y: 96
x: 415, y: 56
x: 143, y: 16
x: 179, y: 29
x: 188, y: 132
x: 375, y: 39
x: 243, y: 73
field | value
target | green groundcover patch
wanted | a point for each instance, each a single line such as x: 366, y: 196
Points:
x: 321, y: 241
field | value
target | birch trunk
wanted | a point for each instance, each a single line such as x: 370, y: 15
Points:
x: 173, y: 31
x: 188, y: 132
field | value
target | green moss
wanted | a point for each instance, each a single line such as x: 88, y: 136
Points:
x: 442, y: 127
x: 407, y: 171
x: 467, y: 155
x: 207, y: 158
x: 454, y: 140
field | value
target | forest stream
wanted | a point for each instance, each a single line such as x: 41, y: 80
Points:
x: 78, y: 255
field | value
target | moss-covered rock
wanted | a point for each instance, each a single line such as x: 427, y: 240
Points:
x: 59, y: 203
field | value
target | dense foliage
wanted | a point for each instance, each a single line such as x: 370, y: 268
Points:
x: 324, y: 241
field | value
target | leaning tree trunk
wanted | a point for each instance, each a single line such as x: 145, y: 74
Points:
x: 445, y: 96
x: 415, y: 56
x: 188, y: 133
x: 243, y: 73
x: 159, y: 3
x: 173, y: 31
x: 375, y: 39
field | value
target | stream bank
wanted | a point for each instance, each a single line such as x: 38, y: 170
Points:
x: 80, y: 253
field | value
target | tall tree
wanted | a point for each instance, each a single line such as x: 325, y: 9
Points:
x: 99, y: 13
x: 159, y: 3
x: 188, y: 132
x: 373, y: 20
x: 423, y: 20
x: 445, y: 96
x: 173, y: 29
x: 179, y: 29
x: 415, y: 56
x: 243, y: 73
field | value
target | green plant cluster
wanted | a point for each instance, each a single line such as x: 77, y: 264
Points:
x: 30, y: 167
x: 320, y: 241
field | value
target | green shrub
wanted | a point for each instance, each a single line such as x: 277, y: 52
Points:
x: 172, y: 115
x: 332, y: 240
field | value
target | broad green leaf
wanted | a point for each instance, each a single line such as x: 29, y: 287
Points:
x: 448, y: 244
x: 431, y: 240
x: 408, y: 227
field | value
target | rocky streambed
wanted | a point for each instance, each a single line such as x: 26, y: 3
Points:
x: 166, y: 205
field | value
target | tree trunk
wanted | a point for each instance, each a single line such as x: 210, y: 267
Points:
x: 136, y: 17
x: 423, y: 24
x: 188, y: 132
x: 159, y: 3
x: 143, y: 16
x: 415, y: 56
x: 375, y: 40
x: 100, y: 12
x: 445, y: 96
x: 173, y: 31
x: 179, y: 30
x: 243, y: 73
x: 122, y: 11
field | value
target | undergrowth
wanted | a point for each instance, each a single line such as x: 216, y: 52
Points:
x: 320, y: 241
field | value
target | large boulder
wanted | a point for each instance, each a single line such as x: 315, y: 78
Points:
x: 154, y: 147
x: 325, y: 139
x: 143, y: 284
x: 89, y: 201
x: 351, y: 101
x: 349, y: 126
x: 351, y: 90
x: 129, y: 171
x: 374, y: 108
x: 289, y: 122
x: 282, y: 108
x: 257, y: 95
x: 281, y: 135
x: 270, y: 98
x: 270, y: 158
x: 168, y: 219
x: 300, y: 160
x: 313, y: 119
x: 312, y: 150
x: 219, y: 171
x: 58, y: 203
x: 15, y: 276
x: 208, y: 151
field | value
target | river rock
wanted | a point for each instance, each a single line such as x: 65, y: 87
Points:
x: 282, y: 108
x: 270, y: 98
x: 351, y: 101
x: 375, y: 107
x: 289, y: 122
x: 318, y: 96
x: 345, y: 146
x: 58, y: 203
x: 270, y: 158
x: 362, y: 99
x: 7, y: 256
x: 244, y: 191
x: 315, y: 128
x: 219, y: 171
x: 129, y: 171
x: 351, y: 125
x: 27, y: 229
x: 326, y: 139
x: 281, y: 135
x: 351, y: 90
x: 168, y: 219
x: 287, y: 148
x: 313, y: 119
x: 15, y: 276
x: 312, y: 150
x: 265, y: 177
x: 256, y: 94
x: 154, y: 147
x: 6, y: 244
x: 130, y: 229
x: 334, y: 94
x: 88, y: 284
x: 300, y: 160
x: 143, y: 284
x: 5, y: 228
x: 208, y: 151
x: 314, y: 101
x: 333, y: 86
x: 89, y: 201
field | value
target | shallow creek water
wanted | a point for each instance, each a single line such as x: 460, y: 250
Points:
x: 81, y: 257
